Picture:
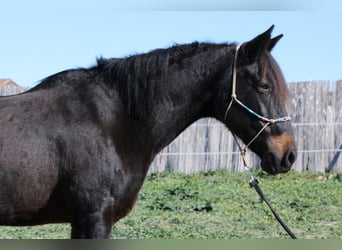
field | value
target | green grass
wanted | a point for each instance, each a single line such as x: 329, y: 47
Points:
x: 221, y: 205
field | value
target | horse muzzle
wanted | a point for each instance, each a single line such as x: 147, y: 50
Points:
x: 281, y: 155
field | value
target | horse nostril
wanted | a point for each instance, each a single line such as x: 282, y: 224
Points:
x: 290, y: 158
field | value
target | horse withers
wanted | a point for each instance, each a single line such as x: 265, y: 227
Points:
x: 77, y: 147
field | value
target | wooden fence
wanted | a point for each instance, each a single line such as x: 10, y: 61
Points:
x: 316, y: 111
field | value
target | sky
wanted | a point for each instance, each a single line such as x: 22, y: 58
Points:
x: 40, y: 38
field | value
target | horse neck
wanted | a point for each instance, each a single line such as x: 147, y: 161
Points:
x: 170, y: 118
x: 186, y: 99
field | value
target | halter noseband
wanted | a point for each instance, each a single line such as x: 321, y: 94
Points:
x: 268, y: 121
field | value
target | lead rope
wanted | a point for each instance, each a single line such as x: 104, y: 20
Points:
x: 253, y: 182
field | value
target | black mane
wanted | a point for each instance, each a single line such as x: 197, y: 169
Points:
x: 139, y: 78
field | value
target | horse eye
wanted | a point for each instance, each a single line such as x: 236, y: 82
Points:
x: 264, y: 88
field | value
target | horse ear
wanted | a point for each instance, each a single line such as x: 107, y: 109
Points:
x: 274, y: 41
x: 251, y: 50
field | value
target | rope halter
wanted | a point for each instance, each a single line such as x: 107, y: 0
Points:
x: 267, y: 121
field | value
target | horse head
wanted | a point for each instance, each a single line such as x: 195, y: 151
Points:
x: 256, y: 110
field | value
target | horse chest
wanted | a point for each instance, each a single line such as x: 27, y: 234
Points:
x: 126, y: 193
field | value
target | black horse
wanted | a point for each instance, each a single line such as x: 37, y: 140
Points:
x: 76, y: 148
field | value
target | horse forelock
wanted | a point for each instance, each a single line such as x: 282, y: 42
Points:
x: 271, y: 72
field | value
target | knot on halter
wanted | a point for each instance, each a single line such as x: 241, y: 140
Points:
x: 283, y: 119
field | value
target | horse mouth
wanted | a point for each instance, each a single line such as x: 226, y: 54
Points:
x: 268, y: 164
x: 280, y: 156
x: 272, y: 165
